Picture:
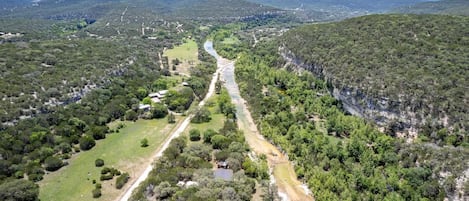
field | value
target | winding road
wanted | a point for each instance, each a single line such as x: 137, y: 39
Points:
x: 284, y: 176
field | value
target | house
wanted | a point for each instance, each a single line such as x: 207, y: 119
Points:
x: 155, y: 100
x: 152, y: 95
x: 156, y: 95
x: 163, y: 92
x: 144, y: 107
x: 185, y: 84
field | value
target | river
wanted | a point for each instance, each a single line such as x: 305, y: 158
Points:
x: 284, y: 175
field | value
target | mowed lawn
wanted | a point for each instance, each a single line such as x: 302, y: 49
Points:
x: 187, y: 53
x: 119, y: 150
x: 217, y: 122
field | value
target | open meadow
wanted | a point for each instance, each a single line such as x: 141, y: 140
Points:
x: 120, y: 150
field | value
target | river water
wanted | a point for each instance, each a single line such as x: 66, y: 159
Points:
x: 283, y: 172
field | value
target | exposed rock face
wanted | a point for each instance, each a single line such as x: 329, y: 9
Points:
x: 395, y: 115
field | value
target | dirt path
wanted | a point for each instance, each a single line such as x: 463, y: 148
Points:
x: 284, y: 174
x: 127, y: 193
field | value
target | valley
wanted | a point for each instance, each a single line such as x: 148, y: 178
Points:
x: 214, y: 100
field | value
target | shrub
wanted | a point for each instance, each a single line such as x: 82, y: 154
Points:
x: 144, y: 142
x: 159, y: 111
x: 221, y: 155
x: 201, y: 115
x: 122, y: 180
x: 96, y: 193
x: 208, y: 134
x: 105, y: 177
x: 87, y: 142
x: 131, y: 115
x: 52, y: 163
x: 194, y: 135
x: 220, y: 142
x: 105, y: 170
x: 99, y: 162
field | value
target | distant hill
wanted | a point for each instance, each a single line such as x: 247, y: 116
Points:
x: 72, y: 9
x: 401, y: 71
x: 332, y: 10
x: 369, y: 5
x: 452, y: 7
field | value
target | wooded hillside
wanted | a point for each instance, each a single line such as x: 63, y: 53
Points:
x: 413, y: 66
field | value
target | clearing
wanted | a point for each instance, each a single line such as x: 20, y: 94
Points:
x: 186, y: 53
x: 119, y: 150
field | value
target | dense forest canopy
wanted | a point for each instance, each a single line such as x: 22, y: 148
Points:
x: 339, y: 156
x: 419, y: 63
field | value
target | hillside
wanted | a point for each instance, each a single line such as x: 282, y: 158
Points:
x: 451, y: 7
x: 404, y: 72
x: 332, y: 10
x: 369, y: 5
x: 184, y: 9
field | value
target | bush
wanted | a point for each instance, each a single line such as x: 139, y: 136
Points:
x: 52, y: 163
x: 105, y: 170
x: 171, y: 118
x: 96, y: 193
x: 194, y: 135
x: 220, y: 142
x: 99, y: 162
x: 201, y: 115
x: 159, y: 111
x: 208, y: 134
x: 144, y: 142
x: 19, y: 189
x: 105, y: 177
x: 131, y: 115
x: 98, y: 185
x: 122, y: 180
x: 86, y: 143
x: 221, y: 155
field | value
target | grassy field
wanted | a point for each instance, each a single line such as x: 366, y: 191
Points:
x: 217, y: 121
x: 231, y: 41
x: 119, y: 150
x: 187, y: 53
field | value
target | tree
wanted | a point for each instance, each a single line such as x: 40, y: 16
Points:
x: 52, y: 163
x: 201, y: 115
x: 159, y: 111
x: 144, y: 142
x: 122, y: 180
x: 99, y: 162
x: 200, y: 150
x: 164, y: 191
x: 96, y: 193
x: 19, y: 189
x: 208, y: 134
x: 220, y: 142
x: 194, y: 135
x: 86, y: 143
x: 146, y: 101
x: 131, y: 115
x: 160, y: 84
x: 171, y: 118
x: 141, y: 93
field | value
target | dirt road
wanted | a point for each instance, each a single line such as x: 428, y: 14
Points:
x: 127, y: 193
